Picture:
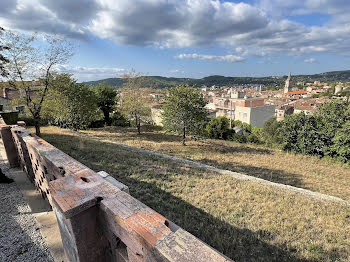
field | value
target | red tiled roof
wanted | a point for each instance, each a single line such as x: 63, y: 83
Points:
x: 300, y: 92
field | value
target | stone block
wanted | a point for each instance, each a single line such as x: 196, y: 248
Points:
x: 113, y: 181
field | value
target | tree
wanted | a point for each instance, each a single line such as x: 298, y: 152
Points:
x: 341, y: 143
x: 271, y: 131
x: 3, y: 59
x: 29, y: 61
x: 218, y: 127
x: 134, y: 100
x: 69, y: 104
x: 330, y: 117
x: 184, y: 111
x: 106, y: 100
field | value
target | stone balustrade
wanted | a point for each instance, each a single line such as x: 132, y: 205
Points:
x: 98, y: 219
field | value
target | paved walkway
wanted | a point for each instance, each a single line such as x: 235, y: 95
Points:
x: 28, y: 227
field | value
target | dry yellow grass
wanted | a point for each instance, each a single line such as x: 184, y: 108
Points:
x: 246, y: 221
x: 274, y: 165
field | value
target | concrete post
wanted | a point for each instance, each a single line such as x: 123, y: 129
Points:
x: 21, y: 123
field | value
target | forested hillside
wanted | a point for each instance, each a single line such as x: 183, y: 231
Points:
x: 162, y: 82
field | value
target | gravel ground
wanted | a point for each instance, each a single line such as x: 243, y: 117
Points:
x: 20, y: 238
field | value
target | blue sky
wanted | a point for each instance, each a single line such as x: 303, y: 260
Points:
x: 191, y: 38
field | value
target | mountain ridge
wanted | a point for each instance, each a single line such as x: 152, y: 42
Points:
x: 163, y: 82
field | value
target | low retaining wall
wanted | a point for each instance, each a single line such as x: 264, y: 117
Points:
x: 98, y: 219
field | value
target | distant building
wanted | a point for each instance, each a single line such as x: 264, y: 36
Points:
x: 287, y: 85
x: 253, y: 111
x: 306, y: 109
x: 156, y: 114
x: 295, y: 95
x: 282, y: 111
x: 338, y: 89
x: 237, y: 94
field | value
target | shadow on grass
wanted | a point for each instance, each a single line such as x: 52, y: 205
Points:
x: 144, y: 174
x: 239, y: 244
x: 220, y: 147
x: 157, y: 137
x: 278, y: 176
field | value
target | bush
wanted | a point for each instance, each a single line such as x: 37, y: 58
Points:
x: 10, y: 118
x: 330, y: 117
x: 117, y: 119
x: 271, y: 132
x: 239, y: 138
x: 97, y: 123
x: 29, y: 120
x: 326, y: 133
x: 258, y: 133
x: 299, y: 134
x: 253, y: 139
x: 341, y: 143
x: 247, y: 127
x: 218, y: 128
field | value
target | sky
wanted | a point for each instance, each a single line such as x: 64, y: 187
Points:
x: 191, y: 38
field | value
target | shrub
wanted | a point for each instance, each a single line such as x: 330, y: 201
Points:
x: 253, y: 139
x: 117, y: 119
x: 271, y: 132
x: 30, y: 120
x: 218, y: 128
x: 247, y: 127
x: 239, y: 138
x: 330, y: 117
x: 97, y: 123
x: 10, y: 118
x: 341, y: 143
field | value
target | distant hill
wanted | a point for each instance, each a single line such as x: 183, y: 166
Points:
x: 162, y: 82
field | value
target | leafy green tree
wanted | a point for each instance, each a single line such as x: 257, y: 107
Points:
x: 308, y: 141
x: 341, y: 143
x: 69, y: 104
x: 117, y: 119
x: 134, y: 99
x: 106, y: 100
x: 218, y: 127
x: 299, y: 134
x: 330, y: 117
x: 184, y: 111
x: 271, y: 131
x: 256, y: 136
x: 28, y: 60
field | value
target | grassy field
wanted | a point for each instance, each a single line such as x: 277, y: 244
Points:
x: 244, y: 220
x: 297, y: 170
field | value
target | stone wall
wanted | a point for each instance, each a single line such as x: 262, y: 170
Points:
x: 98, y: 219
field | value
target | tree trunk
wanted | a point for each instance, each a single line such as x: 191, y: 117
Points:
x: 184, y: 136
x: 139, y: 126
x: 37, y: 127
x: 107, y: 118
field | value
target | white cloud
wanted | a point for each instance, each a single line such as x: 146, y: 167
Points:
x: 258, y: 30
x: 175, y: 23
x: 225, y: 58
x: 32, y: 15
x: 90, y: 73
x: 310, y: 60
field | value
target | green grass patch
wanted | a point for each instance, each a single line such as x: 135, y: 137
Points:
x: 244, y: 220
